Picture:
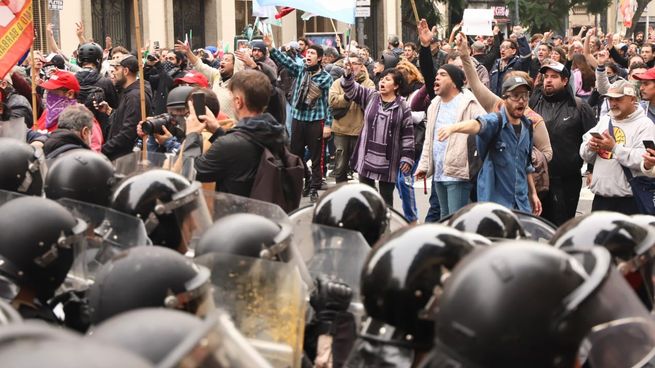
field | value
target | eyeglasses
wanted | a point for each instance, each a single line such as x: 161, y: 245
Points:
x: 518, y: 97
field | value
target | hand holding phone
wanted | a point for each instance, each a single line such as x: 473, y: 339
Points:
x: 649, y: 144
x: 198, y: 103
x: 596, y: 135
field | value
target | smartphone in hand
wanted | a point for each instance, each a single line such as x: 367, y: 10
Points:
x: 649, y: 144
x: 198, y: 99
x: 596, y: 135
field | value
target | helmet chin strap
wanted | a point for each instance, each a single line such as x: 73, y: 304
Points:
x: 33, y: 168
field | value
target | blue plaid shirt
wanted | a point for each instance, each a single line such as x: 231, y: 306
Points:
x: 320, y: 110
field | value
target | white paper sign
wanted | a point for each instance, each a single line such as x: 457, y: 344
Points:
x: 477, y: 22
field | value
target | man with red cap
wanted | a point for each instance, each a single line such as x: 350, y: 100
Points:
x: 647, y: 89
x: 193, y: 79
x: 61, y: 91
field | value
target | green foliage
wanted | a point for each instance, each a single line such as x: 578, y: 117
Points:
x: 550, y: 14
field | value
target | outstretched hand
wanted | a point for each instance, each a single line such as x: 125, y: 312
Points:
x: 424, y: 33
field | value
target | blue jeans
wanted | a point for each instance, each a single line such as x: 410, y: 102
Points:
x: 434, y: 212
x: 453, y: 195
x: 407, y: 195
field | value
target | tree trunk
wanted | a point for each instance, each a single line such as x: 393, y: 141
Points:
x: 641, y: 5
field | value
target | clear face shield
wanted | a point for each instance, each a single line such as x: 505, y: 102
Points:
x: 110, y: 232
x: 266, y: 300
x: 216, y: 344
x: 622, y: 330
x: 14, y: 128
x: 134, y: 163
x: 286, y: 247
x: 197, y: 295
x: 190, y: 210
x: 536, y: 228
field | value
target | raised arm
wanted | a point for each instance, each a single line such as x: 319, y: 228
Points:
x: 282, y: 59
x: 354, y: 91
x: 425, y: 56
x: 487, y: 99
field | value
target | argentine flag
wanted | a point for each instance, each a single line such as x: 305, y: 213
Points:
x: 341, y: 10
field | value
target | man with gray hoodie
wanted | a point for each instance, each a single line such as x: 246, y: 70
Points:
x: 611, y: 150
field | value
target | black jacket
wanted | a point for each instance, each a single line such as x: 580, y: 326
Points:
x: 567, y: 119
x: 62, y: 140
x: 122, y: 133
x: 91, y: 77
x: 161, y: 81
x: 232, y: 160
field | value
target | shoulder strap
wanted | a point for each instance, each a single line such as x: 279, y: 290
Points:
x: 626, y: 171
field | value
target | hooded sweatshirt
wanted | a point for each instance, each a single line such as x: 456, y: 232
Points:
x: 609, y: 179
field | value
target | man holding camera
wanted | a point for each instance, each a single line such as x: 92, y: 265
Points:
x: 167, y: 131
x: 123, y: 133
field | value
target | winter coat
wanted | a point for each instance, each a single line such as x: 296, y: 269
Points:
x: 60, y: 138
x: 91, y: 77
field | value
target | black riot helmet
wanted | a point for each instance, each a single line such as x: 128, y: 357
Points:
x: 151, y: 333
x: 82, y: 175
x: 163, y: 200
x: 488, y: 219
x: 403, y: 275
x: 38, y: 241
x: 246, y: 235
x: 177, y: 97
x: 644, y: 220
x: 517, y: 304
x: 22, y: 167
x: 631, y: 244
x: 148, y: 277
x: 89, y: 52
x: 355, y: 207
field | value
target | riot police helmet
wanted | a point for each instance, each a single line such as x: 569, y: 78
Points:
x: 356, y: 207
x: 82, y: 175
x: 22, y: 167
x: 149, y: 277
x: 247, y: 235
x: 177, y: 97
x: 523, y: 304
x: 38, y: 242
x: 150, y: 333
x: 403, y: 276
x: 89, y: 52
x: 488, y: 219
x: 164, y: 201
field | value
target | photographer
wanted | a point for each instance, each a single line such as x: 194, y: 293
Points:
x: 167, y: 131
x: 161, y: 75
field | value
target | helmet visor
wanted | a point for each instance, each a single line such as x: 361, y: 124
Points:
x: 134, y: 163
x: 216, y: 344
x: 14, y: 128
x: 110, y: 232
x: 627, y: 342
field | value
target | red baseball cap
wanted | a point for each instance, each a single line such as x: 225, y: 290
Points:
x: 649, y: 75
x: 193, y: 78
x: 62, y: 79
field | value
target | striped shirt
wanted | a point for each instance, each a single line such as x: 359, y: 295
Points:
x: 320, y: 109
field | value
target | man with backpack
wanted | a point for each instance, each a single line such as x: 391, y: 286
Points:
x: 240, y: 160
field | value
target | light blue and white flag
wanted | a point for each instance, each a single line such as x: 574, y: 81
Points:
x: 341, y: 10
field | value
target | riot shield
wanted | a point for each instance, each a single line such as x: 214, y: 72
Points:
x: 266, y: 300
x: 216, y: 344
x: 14, y: 128
x: 302, y: 218
x: 224, y: 204
x: 110, y: 232
x: 337, y: 253
x: 132, y: 163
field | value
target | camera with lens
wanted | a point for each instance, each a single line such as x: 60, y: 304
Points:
x: 156, y: 124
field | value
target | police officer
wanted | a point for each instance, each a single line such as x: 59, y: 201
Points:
x: 488, y: 219
x: 401, y: 287
x: 38, y: 238
x: 22, y: 167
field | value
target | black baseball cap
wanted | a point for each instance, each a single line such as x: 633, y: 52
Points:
x: 558, y: 67
x: 128, y: 62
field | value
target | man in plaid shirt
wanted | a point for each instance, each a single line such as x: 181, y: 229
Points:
x: 310, y: 110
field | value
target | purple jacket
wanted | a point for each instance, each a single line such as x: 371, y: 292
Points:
x: 387, y: 138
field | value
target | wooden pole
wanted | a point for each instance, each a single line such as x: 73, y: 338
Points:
x: 415, y: 11
x: 137, y: 36
x: 35, y: 109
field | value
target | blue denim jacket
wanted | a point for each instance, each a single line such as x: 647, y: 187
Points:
x: 503, y: 177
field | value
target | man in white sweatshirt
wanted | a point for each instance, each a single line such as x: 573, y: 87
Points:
x: 609, y: 153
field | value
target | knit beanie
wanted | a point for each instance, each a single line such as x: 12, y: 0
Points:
x: 456, y: 74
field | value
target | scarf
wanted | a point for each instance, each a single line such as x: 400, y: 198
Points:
x: 54, y: 105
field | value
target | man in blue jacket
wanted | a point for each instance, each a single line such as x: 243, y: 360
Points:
x: 509, y: 60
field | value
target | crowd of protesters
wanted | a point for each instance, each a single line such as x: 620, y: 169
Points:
x: 510, y: 118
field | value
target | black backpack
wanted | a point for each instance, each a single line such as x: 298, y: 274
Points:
x: 279, y: 179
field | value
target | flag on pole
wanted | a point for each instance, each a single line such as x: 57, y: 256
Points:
x: 341, y: 10
x: 284, y: 12
x: 16, y: 32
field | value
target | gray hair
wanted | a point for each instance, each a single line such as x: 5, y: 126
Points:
x: 331, y: 51
x: 75, y: 118
x: 394, y: 40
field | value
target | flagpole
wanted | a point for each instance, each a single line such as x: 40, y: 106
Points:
x: 137, y: 36
x: 35, y: 113
x: 415, y: 11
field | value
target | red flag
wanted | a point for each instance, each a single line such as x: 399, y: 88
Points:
x: 16, y: 32
x: 284, y: 11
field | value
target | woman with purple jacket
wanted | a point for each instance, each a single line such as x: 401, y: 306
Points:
x: 386, y: 143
